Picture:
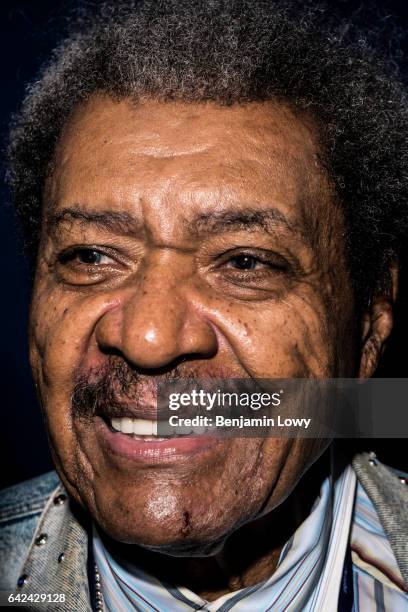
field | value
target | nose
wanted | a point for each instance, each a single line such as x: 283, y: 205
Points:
x: 159, y: 320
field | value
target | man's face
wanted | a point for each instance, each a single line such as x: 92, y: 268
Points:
x: 183, y: 240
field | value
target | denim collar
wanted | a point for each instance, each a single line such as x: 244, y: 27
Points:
x: 60, y: 567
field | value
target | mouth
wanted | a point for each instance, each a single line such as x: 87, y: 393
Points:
x: 141, y: 440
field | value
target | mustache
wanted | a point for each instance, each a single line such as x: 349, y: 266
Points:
x: 115, y: 389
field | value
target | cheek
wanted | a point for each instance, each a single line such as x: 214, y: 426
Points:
x: 279, y: 338
x: 61, y: 333
x: 61, y: 337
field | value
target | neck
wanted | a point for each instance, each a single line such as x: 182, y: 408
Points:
x: 250, y: 555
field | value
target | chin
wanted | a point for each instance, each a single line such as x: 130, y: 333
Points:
x: 169, y: 542
x: 190, y: 548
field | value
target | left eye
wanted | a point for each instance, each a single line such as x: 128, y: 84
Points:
x: 245, y: 262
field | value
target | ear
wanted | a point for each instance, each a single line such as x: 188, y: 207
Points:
x: 377, y: 323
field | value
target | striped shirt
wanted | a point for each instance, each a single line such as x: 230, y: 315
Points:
x: 308, y: 576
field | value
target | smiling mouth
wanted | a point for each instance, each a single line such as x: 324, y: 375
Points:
x: 142, y: 440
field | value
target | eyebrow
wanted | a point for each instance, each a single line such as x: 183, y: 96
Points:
x: 232, y: 220
x: 118, y: 222
x: 123, y: 223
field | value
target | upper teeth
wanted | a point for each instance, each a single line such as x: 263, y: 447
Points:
x: 140, y: 427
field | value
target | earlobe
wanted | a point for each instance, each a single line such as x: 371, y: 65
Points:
x: 377, y: 324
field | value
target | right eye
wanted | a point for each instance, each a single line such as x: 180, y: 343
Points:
x: 87, y: 265
x: 86, y: 256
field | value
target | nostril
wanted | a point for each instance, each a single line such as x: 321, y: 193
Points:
x: 110, y: 350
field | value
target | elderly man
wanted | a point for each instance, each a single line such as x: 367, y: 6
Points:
x: 208, y: 189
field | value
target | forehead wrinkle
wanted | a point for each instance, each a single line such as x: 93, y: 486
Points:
x: 166, y: 152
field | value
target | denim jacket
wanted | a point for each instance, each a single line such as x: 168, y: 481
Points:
x: 44, y: 537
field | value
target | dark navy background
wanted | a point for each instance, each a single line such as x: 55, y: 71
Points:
x: 29, y: 30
